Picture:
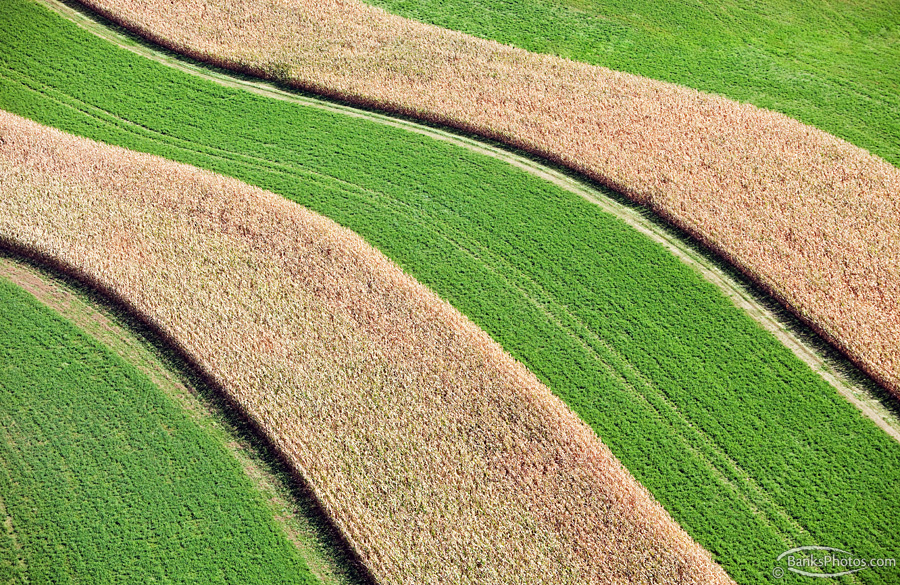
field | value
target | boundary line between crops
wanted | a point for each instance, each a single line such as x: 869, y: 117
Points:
x: 864, y: 399
x: 297, y: 515
x: 667, y: 413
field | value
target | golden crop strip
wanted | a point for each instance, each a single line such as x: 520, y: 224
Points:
x: 813, y: 219
x: 440, y: 458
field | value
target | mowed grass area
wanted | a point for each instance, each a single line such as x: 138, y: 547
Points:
x: 834, y: 65
x: 105, y: 479
x: 746, y: 447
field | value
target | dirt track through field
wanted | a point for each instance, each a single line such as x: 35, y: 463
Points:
x: 744, y: 298
x: 812, y: 219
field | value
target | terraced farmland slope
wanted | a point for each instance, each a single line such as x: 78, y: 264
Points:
x: 811, y: 218
x: 103, y: 478
x: 833, y: 65
x: 717, y: 418
x: 425, y: 442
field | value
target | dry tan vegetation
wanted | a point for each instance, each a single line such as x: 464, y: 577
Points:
x: 440, y: 458
x: 813, y: 219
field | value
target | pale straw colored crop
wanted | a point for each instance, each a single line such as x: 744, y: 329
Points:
x: 438, y: 456
x: 814, y: 220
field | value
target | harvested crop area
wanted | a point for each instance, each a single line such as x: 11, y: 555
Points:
x: 105, y: 479
x: 726, y: 427
x: 813, y: 219
x: 426, y: 443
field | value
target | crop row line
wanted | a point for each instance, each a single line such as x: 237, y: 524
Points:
x: 703, y: 447
x: 20, y: 562
x: 111, y: 119
x: 635, y: 217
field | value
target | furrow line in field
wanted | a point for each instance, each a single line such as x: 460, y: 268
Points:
x: 20, y: 565
x: 184, y: 145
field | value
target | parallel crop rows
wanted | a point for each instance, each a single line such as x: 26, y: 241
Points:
x: 813, y: 219
x: 832, y: 65
x: 426, y: 444
x: 730, y: 432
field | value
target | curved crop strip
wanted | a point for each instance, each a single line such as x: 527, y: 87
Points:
x: 439, y: 457
x: 725, y: 427
x: 285, y: 497
x: 832, y: 65
x: 837, y: 372
x: 814, y: 220
x: 104, y: 478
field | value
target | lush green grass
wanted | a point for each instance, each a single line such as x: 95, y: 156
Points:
x: 107, y: 480
x: 835, y: 65
x: 742, y: 443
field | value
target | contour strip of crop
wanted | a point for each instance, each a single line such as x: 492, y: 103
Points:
x: 664, y: 412
x: 831, y: 65
x: 811, y: 218
x: 728, y: 474
x: 857, y: 394
x: 727, y: 471
x: 428, y: 445
x: 294, y: 511
x: 104, y: 478
x: 791, y: 405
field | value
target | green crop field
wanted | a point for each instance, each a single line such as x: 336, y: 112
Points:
x: 745, y: 446
x: 834, y: 65
x: 104, y: 479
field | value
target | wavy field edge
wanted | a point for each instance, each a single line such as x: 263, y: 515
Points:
x: 713, y: 415
x: 286, y: 496
x: 812, y: 219
x: 104, y: 477
x: 425, y: 442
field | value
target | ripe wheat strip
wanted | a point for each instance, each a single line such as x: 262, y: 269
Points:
x: 439, y: 457
x: 814, y: 220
